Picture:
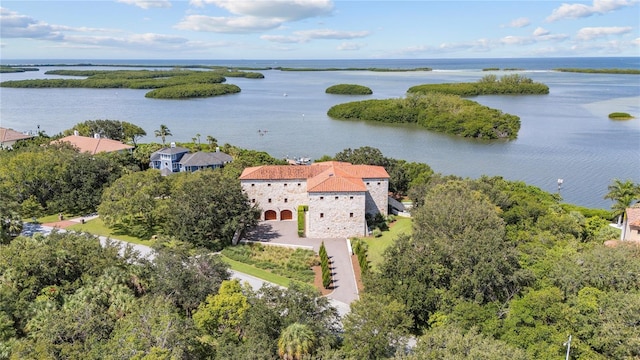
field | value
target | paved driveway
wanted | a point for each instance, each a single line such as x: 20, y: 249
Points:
x: 286, y: 233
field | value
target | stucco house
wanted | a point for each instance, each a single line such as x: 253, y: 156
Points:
x: 631, y: 226
x: 176, y: 159
x: 338, y: 195
x: 8, y: 137
x: 95, y: 144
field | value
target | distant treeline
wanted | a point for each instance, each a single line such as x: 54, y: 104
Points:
x: 11, y: 69
x: 352, y: 69
x: 434, y: 111
x: 505, y: 69
x: 175, y: 83
x: 601, y: 71
x: 489, y: 85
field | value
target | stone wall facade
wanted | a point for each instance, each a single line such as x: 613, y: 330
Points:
x: 334, y: 214
x: 276, y: 195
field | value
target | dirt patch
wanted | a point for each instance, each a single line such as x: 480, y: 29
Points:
x: 60, y: 224
x: 317, y: 281
x: 357, y: 272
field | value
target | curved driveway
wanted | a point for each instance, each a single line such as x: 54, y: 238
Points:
x: 285, y: 233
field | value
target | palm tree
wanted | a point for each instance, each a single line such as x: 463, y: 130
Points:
x: 624, y: 193
x: 296, y: 341
x: 212, y: 141
x: 163, y: 132
x: 198, y: 137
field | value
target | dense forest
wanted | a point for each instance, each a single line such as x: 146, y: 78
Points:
x: 491, y: 269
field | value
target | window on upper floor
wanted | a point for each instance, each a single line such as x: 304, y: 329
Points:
x: 321, y: 215
x: 269, y: 200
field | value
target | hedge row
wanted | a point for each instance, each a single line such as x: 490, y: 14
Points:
x: 360, y: 249
x: 301, y: 223
x: 324, y: 264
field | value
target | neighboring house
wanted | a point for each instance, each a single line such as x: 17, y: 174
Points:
x: 8, y: 137
x: 176, y: 159
x: 95, y: 144
x: 631, y: 226
x: 338, y: 195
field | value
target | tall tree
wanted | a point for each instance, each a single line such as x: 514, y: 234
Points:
x: 377, y: 327
x: 624, y: 194
x: 132, y: 132
x: 136, y: 203
x: 213, y: 142
x: 458, y: 250
x: 163, y: 132
x: 208, y: 209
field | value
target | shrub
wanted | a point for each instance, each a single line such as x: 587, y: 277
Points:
x: 301, y: 223
x: 377, y: 232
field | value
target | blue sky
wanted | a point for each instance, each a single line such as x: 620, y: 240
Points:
x: 316, y: 29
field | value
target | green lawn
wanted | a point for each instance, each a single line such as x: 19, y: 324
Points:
x: 97, y: 227
x: 378, y: 245
x: 48, y: 218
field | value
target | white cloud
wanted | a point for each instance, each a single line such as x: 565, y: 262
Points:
x: 147, y: 4
x: 636, y: 41
x: 304, y: 36
x: 516, y: 40
x: 283, y: 39
x: 540, y: 32
x: 14, y: 25
x: 331, y: 34
x: 576, y: 11
x: 254, y: 16
x: 349, y: 46
x: 287, y: 10
x: 229, y: 25
x: 589, y: 33
x: 519, y: 23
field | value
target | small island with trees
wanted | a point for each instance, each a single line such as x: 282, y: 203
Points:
x: 348, y: 89
x: 620, y: 116
x: 513, y: 84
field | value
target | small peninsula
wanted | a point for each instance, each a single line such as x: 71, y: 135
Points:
x: 348, y: 89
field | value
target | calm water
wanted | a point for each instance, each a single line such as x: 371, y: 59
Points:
x: 565, y: 134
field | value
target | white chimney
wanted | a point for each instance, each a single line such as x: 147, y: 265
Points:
x: 173, y: 144
x: 217, y: 149
x: 75, y: 133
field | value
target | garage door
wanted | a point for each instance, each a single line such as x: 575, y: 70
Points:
x: 270, y: 215
x: 286, y: 215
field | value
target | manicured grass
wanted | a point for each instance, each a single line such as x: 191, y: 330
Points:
x: 378, y: 245
x: 97, y: 227
x: 254, y: 271
x: 48, y: 218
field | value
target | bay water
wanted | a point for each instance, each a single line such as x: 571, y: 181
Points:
x: 564, y: 135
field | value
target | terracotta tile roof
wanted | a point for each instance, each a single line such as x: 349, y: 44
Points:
x: 330, y: 176
x: 94, y: 145
x: 633, y: 217
x: 12, y: 135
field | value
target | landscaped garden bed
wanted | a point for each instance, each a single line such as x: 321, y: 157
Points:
x: 295, y: 264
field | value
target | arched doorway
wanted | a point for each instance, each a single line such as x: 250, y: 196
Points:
x: 286, y: 215
x: 270, y: 215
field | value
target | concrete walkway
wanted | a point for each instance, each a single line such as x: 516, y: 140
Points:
x: 285, y: 233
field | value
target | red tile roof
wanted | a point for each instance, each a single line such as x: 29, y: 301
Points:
x: 330, y: 176
x: 7, y: 135
x: 94, y: 145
